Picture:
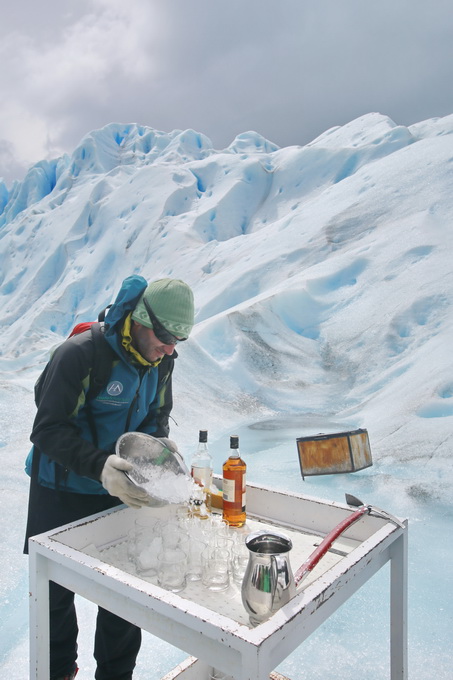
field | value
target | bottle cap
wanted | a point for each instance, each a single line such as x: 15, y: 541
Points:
x: 203, y: 436
x: 234, y: 441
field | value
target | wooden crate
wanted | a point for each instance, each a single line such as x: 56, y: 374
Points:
x: 327, y: 454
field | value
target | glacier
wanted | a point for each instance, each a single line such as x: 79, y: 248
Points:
x: 323, y: 284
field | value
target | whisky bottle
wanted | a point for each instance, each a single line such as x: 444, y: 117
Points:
x: 201, y: 465
x: 234, y: 470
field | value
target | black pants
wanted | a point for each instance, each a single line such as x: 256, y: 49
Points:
x: 117, y: 642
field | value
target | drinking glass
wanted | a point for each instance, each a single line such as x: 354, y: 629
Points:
x: 215, y: 564
x: 224, y: 540
x: 212, y: 527
x: 239, y: 561
x: 171, y: 569
x: 182, y: 513
x: 195, y: 548
x: 174, y: 536
x: 147, y: 543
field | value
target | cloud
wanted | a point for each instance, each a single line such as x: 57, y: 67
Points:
x: 48, y: 85
x: 85, y: 56
x: 288, y: 70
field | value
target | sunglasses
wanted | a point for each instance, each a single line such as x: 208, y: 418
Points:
x: 160, y: 331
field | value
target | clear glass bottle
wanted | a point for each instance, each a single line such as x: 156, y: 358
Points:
x: 201, y: 465
x: 234, y: 470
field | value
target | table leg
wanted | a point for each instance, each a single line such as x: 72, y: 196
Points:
x: 39, y: 617
x: 398, y: 608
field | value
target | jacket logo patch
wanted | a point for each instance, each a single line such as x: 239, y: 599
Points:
x: 114, y: 388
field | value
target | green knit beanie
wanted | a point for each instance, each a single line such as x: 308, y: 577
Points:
x: 171, y: 300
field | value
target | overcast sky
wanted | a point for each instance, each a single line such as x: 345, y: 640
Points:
x: 288, y: 69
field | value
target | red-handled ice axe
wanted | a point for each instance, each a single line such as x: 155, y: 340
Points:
x: 324, y: 546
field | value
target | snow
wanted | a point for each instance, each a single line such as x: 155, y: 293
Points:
x: 323, y: 284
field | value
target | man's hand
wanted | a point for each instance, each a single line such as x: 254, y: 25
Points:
x: 117, y: 484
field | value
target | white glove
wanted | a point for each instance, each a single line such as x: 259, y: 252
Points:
x: 117, y: 484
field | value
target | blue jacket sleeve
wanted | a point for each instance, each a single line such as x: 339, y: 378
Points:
x: 60, y: 393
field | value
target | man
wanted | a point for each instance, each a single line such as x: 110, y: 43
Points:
x: 74, y: 470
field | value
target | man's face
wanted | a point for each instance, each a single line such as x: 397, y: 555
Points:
x: 147, y: 344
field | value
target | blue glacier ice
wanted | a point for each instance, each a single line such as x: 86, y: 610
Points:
x: 323, y: 287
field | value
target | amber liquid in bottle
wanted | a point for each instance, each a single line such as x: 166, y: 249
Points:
x: 234, y: 470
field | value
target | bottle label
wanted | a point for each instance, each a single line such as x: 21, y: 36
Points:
x: 228, y: 490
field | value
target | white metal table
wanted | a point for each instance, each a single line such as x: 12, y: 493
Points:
x: 86, y: 557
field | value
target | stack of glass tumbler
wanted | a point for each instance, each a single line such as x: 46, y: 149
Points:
x: 186, y: 548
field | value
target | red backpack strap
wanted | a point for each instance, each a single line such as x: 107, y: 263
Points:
x: 80, y: 328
